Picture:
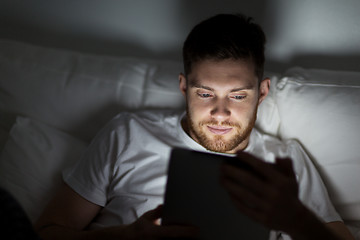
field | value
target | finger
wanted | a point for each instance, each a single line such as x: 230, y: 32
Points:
x: 153, y: 214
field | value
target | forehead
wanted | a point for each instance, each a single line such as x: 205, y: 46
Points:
x: 224, y: 73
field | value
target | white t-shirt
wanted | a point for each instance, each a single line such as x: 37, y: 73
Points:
x: 124, y: 168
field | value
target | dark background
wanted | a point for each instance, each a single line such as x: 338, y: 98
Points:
x: 307, y: 33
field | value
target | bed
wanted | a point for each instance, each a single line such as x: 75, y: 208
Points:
x: 53, y: 101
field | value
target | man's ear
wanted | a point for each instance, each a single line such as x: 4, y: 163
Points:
x: 182, y: 84
x: 264, y: 89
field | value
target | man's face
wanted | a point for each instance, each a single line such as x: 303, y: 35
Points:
x: 222, y: 99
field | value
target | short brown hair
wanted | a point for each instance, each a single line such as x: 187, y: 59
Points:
x: 226, y: 36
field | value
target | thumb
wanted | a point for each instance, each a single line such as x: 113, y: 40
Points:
x: 153, y: 214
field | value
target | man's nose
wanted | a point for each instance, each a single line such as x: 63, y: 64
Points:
x: 221, y: 111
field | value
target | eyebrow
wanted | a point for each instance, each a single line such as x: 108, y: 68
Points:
x: 195, y: 85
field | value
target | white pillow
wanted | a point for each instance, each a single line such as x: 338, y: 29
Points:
x: 79, y: 93
x: 32, y: 161
x: 321, y: 109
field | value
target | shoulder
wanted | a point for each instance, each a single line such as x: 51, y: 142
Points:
x: 126, y: 119
x: 132, y: 125
x: 146, y: 116
x: 270, y: 147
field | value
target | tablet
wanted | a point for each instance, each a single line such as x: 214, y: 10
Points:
x: 194, y: 196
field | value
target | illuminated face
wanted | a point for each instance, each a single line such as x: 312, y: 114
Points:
x: 221, y: 102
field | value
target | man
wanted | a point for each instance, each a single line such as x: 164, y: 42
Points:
x: 113, y: 193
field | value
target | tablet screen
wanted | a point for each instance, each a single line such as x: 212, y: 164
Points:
x: 194, y: 196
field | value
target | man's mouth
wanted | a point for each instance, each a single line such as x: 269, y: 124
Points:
x: 219, y: 130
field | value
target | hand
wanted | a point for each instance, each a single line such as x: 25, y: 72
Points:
x: 268, y: 193
x: 147, y: 227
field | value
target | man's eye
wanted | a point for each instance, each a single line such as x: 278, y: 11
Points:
x: 238, y: 97
x: 204, y: 95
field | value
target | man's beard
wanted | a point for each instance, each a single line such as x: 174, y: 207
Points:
x: 218, y: 143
